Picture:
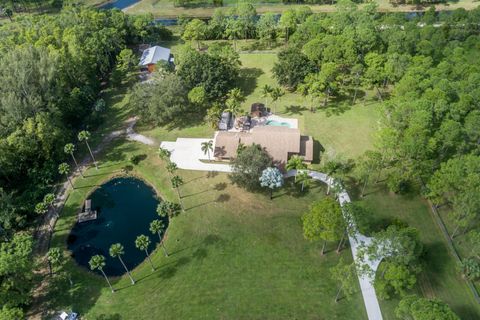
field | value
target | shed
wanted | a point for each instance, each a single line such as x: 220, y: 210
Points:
x: 151, y: 56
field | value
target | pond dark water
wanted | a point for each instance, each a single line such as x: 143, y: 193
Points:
x: 119, y: 4
x: 125, y: 208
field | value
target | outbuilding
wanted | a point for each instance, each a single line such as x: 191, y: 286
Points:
x: 152, y: 56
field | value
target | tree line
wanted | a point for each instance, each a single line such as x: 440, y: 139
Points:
x: 425, y: 77
x: 52, y: 68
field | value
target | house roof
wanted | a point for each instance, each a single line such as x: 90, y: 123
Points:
x: 154, y: 54
x: 279, y: 142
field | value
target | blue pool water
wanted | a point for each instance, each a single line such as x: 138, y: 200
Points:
x: 125, y: 208
x: 277, y: 123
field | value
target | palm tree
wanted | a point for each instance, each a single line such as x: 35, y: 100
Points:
x: 304, y: 179
x: 49, y: 200
x: 84, y: 136
x: 69, y: 149
x: 41, y: 208
x: 97, y: 262
x: 64, y: 168
x: 234, y: 100
x: 171, y: 167
x: 168, y: 209
x: 266, y: 90
x: 296, y: 163
x: 54, y: 257
x: 177, y: 181
x: 156, y: 227
x: 164, y: 154
x: 116, y: 251
x: 276, y: 94
x: 303, y: 90
x: 207, y: 146
x: 142, y: 242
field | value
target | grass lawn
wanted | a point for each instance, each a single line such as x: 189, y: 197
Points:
x: 234, y: 255
x: 166, y: 9
x: 237, y: 254
x: 346, y: 131
x: 440, y: 278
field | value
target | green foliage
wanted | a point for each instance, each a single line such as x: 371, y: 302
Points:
x: 9, y: 217
x: 292, y: 67
x: 400, y: 249
x: 395, y: 279
x: 9, y: 313
x: 196, y: 30
x: 156, y: 226
x: 97, y: 262
x: 470, y: 268
x: 248, y: 166
x: 124, y: 69
x: 358, y: 219
x: 168, y: 209
x: 16, y: 271
x: 457, y: 183
x: 415, y: 308
x: 116, y: 250
x: 233, y: 103
x: 346, y: 275
x: 267, y: 27
x: 216, y: 74
x: 197, y: 96
x: 54, y: 256
x: 160, y: 101
x: 142, y: 242
x: 51, y: 68
x: 324, y: 221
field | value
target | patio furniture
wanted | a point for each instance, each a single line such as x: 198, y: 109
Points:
x: 247, y: 123
x: 258, y: 110
x: 225, y: 122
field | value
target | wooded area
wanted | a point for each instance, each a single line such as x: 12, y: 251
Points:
x: 52, y: 68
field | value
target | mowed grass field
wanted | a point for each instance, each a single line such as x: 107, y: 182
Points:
x: 234, y: 254
x: 166, y: 9
x: 440, y: 277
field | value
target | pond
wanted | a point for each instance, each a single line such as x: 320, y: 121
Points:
x: 125, y: 207
x: 119, y: 4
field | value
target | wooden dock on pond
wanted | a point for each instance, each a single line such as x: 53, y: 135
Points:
x: 88, y: 214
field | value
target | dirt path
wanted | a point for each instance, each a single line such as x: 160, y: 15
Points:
x: 43, y: 233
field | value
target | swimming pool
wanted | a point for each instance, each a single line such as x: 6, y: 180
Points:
x: 277, y: 123
x: 125, y: 208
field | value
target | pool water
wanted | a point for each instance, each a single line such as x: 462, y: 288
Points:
x: 125, y: 207
x: 277, y: 123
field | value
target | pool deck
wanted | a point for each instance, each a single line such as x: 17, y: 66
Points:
x: 262, y: 121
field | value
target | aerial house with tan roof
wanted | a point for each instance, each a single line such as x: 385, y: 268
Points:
x: 280, y: 142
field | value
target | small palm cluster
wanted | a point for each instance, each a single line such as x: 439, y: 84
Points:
x: 64, y: 168
x: 274, y: 93
x: 171, y: 167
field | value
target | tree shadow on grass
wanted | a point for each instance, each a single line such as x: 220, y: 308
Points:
x: 248, y: 79
x: 317, y: 150
x: 295, y: 110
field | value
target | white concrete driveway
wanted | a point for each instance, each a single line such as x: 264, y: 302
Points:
x: 187, y: 153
